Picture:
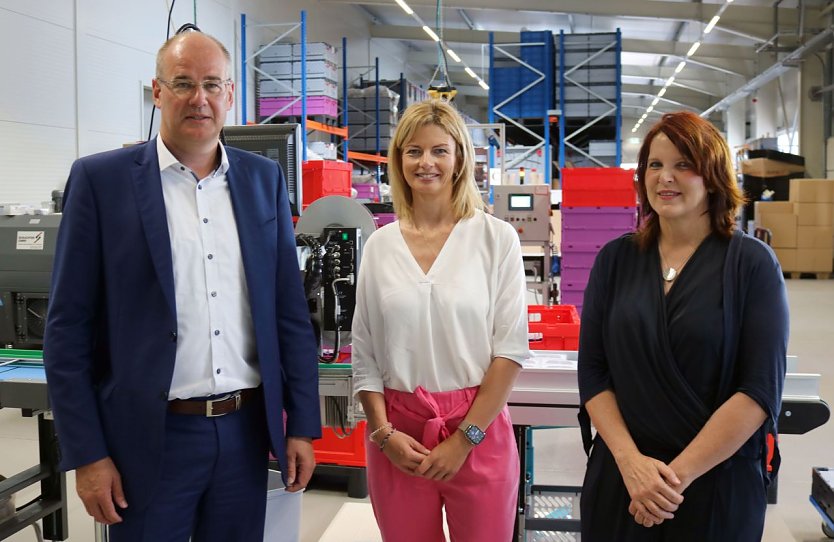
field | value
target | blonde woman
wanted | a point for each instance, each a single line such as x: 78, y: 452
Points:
x: 440, y: 333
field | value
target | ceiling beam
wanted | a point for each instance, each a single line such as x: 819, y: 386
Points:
x: 735, y: 53
x: 752, y: 21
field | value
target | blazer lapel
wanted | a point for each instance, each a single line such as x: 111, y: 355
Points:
x: 250, y: 214
x: 147, y: 184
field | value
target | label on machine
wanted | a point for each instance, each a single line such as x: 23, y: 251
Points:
x: 29, y: 240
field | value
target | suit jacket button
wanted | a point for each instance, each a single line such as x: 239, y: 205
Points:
x: 174, y: 336
x: 163, y: 395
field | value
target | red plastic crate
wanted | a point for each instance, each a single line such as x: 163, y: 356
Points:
x: 553, y: 328
x: 598, y: 187
x: 348, y: 451
x: 325, y: 178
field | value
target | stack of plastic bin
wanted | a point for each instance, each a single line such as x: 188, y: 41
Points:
x: 598, y: 205
x: 552, y: 328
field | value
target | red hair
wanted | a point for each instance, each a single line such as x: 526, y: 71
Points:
x: 705, y: 148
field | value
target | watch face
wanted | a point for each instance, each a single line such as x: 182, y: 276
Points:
x: 474, y: 434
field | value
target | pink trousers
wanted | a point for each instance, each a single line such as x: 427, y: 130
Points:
x: 480, y: 501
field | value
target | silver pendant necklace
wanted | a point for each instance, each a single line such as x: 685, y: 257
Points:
x: 670, y: 273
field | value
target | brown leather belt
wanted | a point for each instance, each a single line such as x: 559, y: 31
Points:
x: 226, y: 404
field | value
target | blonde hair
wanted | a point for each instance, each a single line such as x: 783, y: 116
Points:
x: 465, y: 196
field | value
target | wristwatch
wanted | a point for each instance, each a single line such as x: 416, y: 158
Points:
x: 473, y: 433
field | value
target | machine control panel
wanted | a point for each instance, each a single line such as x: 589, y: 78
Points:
x: 341, y: 264
x: 526, y: 207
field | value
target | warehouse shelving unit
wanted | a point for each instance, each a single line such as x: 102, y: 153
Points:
x: 302, y: 98
x: 521, y: 79
x: 590, y: 98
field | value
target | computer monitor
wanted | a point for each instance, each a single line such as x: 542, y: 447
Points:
x: 279, y: 142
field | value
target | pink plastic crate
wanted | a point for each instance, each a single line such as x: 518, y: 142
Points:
x: 578, y: 259
x: 316, y: 105
x: 367, y: 191
x: 382, y: 219
x: 598, y: 218
x: 599, y: 237
x: 574, y: 280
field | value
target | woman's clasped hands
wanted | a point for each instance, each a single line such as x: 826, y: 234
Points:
x: 654, y: 488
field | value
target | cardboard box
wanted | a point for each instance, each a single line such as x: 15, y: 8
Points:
x: 814, y: 214
x: 812, y: 190
x: 814, y: 236
x: 765, y: 167
x: 782, y: 226
x: 774, y: 207
x: 787, y: 258
x: 814, y: 260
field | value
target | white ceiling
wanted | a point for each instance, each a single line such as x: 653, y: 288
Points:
x: 656, y: 36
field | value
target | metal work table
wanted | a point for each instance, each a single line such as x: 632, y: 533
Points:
x: 23, y: 386
x: 546, y: 394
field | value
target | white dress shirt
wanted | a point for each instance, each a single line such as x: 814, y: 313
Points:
x: 215, y: 336
x: 441, y: 329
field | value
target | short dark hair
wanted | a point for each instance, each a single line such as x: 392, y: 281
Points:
x: 706, y: 149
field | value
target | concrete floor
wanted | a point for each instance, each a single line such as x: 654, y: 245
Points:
x: 558, y: 458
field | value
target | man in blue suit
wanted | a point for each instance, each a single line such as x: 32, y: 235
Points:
x: 178, y: 334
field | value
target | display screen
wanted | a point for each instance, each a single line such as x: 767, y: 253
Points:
x: 521, y: 202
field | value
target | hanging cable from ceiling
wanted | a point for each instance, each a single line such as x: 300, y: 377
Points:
x: 444, y: 90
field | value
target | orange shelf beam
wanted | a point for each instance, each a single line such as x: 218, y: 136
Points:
x: 362, y: 157
x: 313, y: 125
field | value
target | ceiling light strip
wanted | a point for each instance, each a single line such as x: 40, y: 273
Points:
x: 692, y: 50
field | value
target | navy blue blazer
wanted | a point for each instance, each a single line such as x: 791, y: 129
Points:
x: 111, y: 330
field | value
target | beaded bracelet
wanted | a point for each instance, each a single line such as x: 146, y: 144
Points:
x: 386, y: 425
x: 385, y: 440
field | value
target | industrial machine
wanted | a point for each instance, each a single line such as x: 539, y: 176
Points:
x: 330, y: 236
x: 527, y: 208
x: 27, y: 248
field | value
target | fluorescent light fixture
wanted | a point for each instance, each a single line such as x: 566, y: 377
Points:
x: 662, y: 92
x: 471, y: 73
x: 405, y: 7
x: 634, y: 129
x: 650, y: 109
x: 655, y: 101
x: 681, y: 64
x: 693, y: 48
x: 454, y: 55
x: 483, y: 85
x: 729, y: 1
x: 711, y: 24
x: 670, y: 81
x: 431, y: 33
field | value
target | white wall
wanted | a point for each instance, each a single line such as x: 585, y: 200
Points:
x: 74, y: 72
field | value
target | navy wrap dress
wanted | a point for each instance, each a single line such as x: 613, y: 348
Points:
x: 672, y: 359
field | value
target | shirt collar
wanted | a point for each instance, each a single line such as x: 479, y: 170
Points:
x: 166, y: 159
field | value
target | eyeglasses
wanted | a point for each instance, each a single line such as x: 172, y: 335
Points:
x: 186, y: 87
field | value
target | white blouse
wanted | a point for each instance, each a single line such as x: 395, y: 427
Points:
x: 442, y: 329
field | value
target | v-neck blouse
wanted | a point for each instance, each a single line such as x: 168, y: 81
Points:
x: 441, y: 329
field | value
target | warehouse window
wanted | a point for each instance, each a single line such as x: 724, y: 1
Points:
x: 788, y: 141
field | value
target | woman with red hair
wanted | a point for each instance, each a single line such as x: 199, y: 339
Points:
x: 681, y: 354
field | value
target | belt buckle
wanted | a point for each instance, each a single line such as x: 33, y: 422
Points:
x: 210, y: 404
